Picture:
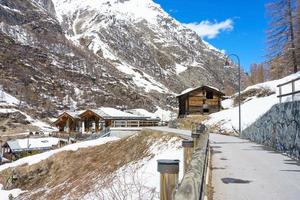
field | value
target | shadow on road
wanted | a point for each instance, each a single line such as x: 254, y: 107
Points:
x: 235, y: 180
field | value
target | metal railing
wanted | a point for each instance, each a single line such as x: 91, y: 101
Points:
x: 292, y: 93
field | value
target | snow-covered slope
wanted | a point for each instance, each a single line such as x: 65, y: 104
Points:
x: 22, y: 123
x: 253, y: 107
x: 130, y: 170
x: 6, y: 99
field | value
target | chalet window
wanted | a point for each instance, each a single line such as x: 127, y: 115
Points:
x: 205, y: 108
x: 209, y: 95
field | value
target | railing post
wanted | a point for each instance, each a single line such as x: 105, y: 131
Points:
x: 169, y: 170
x: 188, y: 147
x: 280, y: 94
x: 293, y: 90
x: 196, y: 138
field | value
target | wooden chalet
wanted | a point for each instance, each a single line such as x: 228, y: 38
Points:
x: 99, y: 120
x: 68, y: 122
x: 201, y: 100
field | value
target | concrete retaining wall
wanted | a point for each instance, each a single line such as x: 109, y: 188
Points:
x: 279, y: 128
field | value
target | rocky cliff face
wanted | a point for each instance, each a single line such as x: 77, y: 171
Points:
x: 54, y: 54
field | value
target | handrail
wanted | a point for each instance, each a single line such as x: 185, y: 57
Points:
x: 290, y: 93
x: 294, y: 80
x: 193, y: 186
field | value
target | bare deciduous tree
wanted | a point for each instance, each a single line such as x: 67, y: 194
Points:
x: 281, y: 34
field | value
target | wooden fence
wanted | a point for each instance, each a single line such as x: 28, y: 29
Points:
x: 193, y: 185
x: 293, y: 91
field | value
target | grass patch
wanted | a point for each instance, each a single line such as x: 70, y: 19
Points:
x: 189, y: 122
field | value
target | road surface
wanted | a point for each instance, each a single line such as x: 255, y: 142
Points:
x: 242, y: 170
x: 183, y: 133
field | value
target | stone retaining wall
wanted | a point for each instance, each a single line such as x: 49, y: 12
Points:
x: 279, y: 128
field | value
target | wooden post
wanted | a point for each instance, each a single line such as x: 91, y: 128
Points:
x: 280, y: 94
x: 68, y: 126
x: 169, y: 170
x: 196, y: 138
x: 293, y: 90
x: 188, y: 149
x: 82, y: 127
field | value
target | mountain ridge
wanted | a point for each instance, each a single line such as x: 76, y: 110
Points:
x: 101, y: 59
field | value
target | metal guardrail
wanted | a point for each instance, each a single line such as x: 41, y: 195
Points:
x: 290, y: 93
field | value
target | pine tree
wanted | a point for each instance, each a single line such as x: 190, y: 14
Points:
x: 281, y: 34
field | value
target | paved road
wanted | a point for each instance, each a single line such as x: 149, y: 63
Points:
x: 247, y: 171
x: 181, y: 132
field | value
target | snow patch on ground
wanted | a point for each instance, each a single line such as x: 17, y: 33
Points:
x: 142, y: 79
x: 7, y: 99
x: 180, y: 68
x: 4, y: 194
x: 165, y: 115
x: 227, y: 103
x: 140, y: 179
x: 143, y: 113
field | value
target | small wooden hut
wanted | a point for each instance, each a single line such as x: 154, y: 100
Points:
x: 201, y: 100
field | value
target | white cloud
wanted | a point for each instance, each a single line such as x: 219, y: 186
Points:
x: 210, y: 29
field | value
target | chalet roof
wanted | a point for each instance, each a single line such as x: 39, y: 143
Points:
x: 72, y: 114
x: 202, y: 86
x: 19, y: 145
x: 112, y: 113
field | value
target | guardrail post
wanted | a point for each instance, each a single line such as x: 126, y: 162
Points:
x: 196, y: 138
x: 293, y: 90
x: 169, y: 170
x: 280, y: 94
x: 188, y: 147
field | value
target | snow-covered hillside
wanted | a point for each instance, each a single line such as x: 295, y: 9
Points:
x: 22, y: 122
x: 253, y: 106
x: 130, y: 169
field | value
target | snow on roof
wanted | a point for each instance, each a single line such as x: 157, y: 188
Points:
x: 74, y: 114
x: 195, y: 88
x: 112, y: 113
x: 32, y: 143
x: 143, y: 113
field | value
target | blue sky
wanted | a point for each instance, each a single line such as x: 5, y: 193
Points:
x: 235, y: 26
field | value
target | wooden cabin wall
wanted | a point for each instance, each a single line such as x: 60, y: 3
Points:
x: 193, y: 102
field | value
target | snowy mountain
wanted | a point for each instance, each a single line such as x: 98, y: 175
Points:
x: 102, y: 53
